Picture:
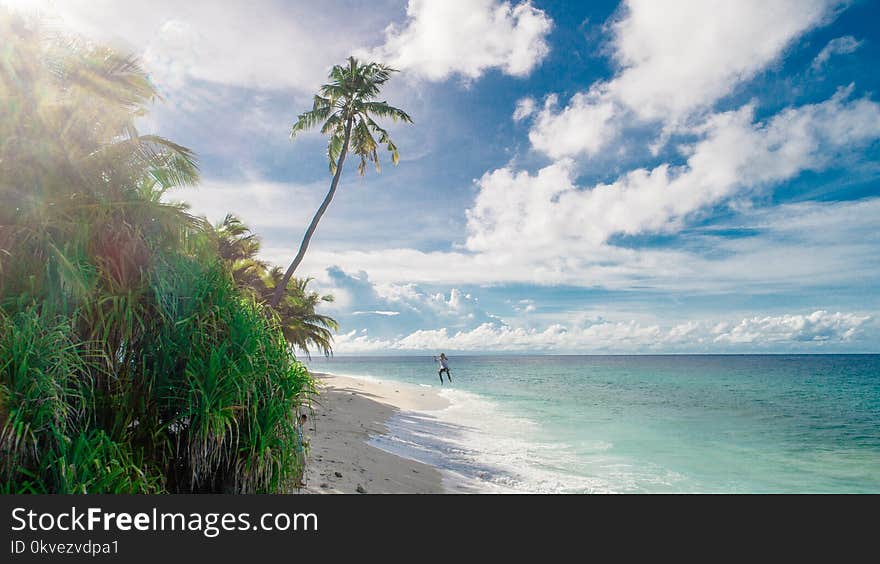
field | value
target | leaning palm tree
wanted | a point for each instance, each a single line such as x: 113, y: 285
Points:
x: 346, y: 106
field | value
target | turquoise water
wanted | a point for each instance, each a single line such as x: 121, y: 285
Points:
x: 576, y: 424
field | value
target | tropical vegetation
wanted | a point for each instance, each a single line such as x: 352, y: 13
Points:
x: 303, y: 327
x: 136, y: 353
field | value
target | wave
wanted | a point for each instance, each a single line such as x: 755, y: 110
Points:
x: 488, y: 449
x: 482, y: 445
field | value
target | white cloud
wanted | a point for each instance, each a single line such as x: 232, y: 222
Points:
x: 681, y: 55
x: 466, y: 37
x: 267, y: 46
x: 819, y: 327
x: 839, y: 46
x: 524, y: 108
x: 674, y: 59
x: 409, y: 305
x: 548, y: 215
x: 377, y: 312
x: 831, y: 244
x: 790, y: 247
x: 260, y: 203
x: 519, y: 208
x: 581, y: 127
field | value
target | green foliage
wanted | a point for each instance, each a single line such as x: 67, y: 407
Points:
x: 130, y: 359
x: 304, y: 328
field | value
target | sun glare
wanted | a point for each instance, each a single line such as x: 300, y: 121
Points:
x: 29, y: 6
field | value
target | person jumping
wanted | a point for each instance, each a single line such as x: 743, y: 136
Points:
x: 444, y: 367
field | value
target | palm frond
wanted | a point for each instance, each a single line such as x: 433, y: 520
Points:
x: 348, y: 100
x: 383, y: 110
x: 364, y: 146
x: 310, y: 119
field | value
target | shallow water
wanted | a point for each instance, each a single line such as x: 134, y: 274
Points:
x: 576, y: 424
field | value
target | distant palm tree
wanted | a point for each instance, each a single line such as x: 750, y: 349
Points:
x: 238, y: 248
x: 346, y: 107
x: 303, y: 328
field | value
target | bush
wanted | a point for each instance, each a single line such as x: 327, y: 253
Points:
x: 130, y: 361
x: 192, y: 389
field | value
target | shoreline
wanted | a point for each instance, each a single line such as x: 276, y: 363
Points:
x: 348, y: 413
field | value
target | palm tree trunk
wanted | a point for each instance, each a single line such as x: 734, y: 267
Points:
x: 279, y: 290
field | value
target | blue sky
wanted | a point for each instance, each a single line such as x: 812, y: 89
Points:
x: 602, y: 177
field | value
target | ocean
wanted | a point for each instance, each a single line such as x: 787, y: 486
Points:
x: 642, y: 424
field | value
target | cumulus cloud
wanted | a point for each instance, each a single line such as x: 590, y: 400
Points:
x: 467, y: 38
x: 819, y: 327
x: 839, y: 46
x: 581, y: 127
x: 548, y: 213
x: 679, y: 56
x: 675, y: 59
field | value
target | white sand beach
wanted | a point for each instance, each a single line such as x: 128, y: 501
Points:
x: 348, y: 412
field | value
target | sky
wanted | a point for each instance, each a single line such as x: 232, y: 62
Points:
x: 581, y: 177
